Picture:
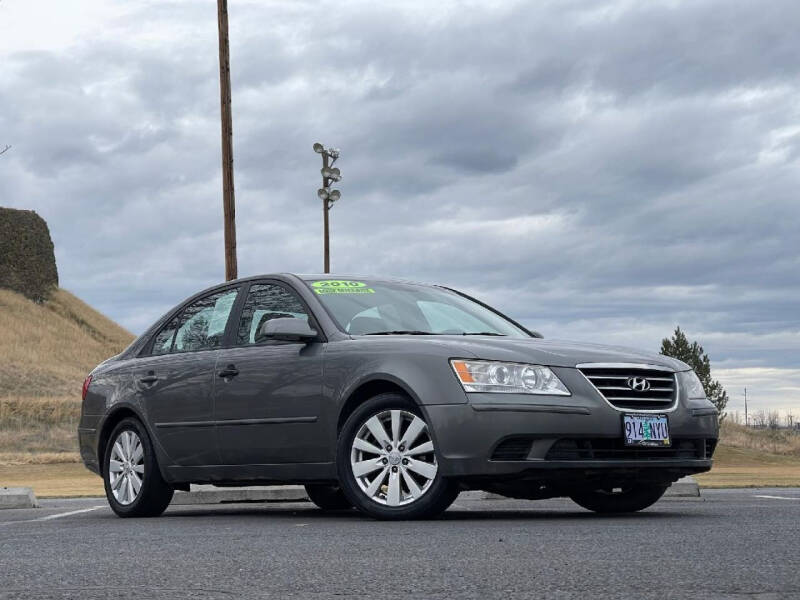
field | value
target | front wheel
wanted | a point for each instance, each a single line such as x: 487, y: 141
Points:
x: 387, y: 462
x: 628, y: 499
x: 134, y: 486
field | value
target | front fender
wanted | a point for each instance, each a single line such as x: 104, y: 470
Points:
x: 426, y: 376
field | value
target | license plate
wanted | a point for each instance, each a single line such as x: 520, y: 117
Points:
x: 646, y: 430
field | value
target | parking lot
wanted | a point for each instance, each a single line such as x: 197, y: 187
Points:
x: 728, y: 544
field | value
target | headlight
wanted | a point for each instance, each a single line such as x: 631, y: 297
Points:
x: 691, y: 384
x: 511, y: 378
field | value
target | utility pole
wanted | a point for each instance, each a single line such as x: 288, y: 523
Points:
x: 327, y: 195
x: 228, y: 199
x: 745, y: 407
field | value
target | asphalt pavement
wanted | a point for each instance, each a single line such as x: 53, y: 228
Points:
x: 727, y: 544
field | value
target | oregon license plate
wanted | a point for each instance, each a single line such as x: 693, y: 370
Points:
x: 645, y: 430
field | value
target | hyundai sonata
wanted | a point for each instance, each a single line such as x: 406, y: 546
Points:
x: 387, y: 396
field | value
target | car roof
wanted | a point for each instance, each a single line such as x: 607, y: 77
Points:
x: 344, y: 276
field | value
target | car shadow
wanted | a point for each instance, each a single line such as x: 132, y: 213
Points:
x: 453, y: 514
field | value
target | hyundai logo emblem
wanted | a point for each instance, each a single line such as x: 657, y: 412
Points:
x: 638, y: 384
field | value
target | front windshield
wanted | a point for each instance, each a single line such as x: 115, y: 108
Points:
x: 363, y: 307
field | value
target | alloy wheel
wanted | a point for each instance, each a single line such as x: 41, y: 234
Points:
x: 392, y: 458
x: 126, y: 467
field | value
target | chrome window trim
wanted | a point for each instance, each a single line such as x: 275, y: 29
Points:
x: 633, y: 366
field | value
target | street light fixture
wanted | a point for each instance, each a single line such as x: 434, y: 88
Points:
x: 330, y: 174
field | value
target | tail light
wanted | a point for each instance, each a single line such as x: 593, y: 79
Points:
x: 86, y: 383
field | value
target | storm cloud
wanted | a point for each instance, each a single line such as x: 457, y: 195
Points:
x: 602, y: 170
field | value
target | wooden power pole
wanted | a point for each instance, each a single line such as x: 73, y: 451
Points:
x: 228, y: 199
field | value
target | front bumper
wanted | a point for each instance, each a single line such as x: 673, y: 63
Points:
x: 580, y: 436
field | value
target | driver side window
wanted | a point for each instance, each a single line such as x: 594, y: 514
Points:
x: 266, y: 301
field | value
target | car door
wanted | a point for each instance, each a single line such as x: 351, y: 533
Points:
x: 176, y: 381
x: 267, y: 397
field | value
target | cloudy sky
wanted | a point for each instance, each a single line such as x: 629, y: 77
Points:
x: 602, y: 170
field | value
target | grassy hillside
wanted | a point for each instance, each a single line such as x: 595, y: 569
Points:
x: 46, y: 351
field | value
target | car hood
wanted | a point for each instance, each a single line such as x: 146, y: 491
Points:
x: 554, y: 353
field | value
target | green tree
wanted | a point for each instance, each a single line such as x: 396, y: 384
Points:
x: 693, y: 355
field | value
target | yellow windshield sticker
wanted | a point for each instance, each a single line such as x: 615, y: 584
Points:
x: 339, y: 286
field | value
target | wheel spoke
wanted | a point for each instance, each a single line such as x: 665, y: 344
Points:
x: 376, y: 483
x: 118, y: 451
x: 376, y: 428
x: 114, y: 466
x: 427, y: 470
x: 366, y: 466
x: 138, y: 451
x: 136, y: 483
x: 412, y: 433
x: 412, y: 485
x: 365, y: 446
x: 138, y: 469
x: 122, y: 489
x: 425, y: 448
x: 393, y: 494
x: 116, y: 483
x: 126, y: 444
x: 396, y: 427
x: 131, y: 495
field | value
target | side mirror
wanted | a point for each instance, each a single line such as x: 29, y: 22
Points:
x: 286, y: 329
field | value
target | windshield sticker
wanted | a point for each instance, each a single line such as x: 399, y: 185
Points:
x: 336, y: 286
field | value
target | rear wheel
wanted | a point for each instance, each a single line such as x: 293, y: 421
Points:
x: 134, y: 486
x: 628, y: 499
x: 387, y: 462
x: 328, y: 497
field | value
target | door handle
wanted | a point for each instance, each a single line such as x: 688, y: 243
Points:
x: 149, y: 378
x: 229, y: 371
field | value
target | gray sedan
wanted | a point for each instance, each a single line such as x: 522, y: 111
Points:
x: 387, y: 396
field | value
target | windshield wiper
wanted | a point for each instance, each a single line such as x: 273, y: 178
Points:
x: 484, y: 333
x: 402, y: 332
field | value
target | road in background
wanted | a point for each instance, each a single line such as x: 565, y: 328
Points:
x: 731, y: 543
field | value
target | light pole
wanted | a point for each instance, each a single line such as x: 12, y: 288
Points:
x: 330, y: 174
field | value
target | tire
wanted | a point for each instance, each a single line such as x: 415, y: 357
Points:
x: 630, y: 499
x: 328, y: 497
x: 411, y: 485
x: 131, y: 448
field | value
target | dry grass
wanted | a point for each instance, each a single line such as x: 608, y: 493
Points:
x: 779, y: 441
x: 21, y: 411
x: 67, y: 480
x: 38, y: 425
x: 746, y: 467
x: 38, y: 458
x: 47, y: 349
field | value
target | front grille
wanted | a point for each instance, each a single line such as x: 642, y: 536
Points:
x: 516, y: 448
x: 613, y: 384
x: 615, y: 449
